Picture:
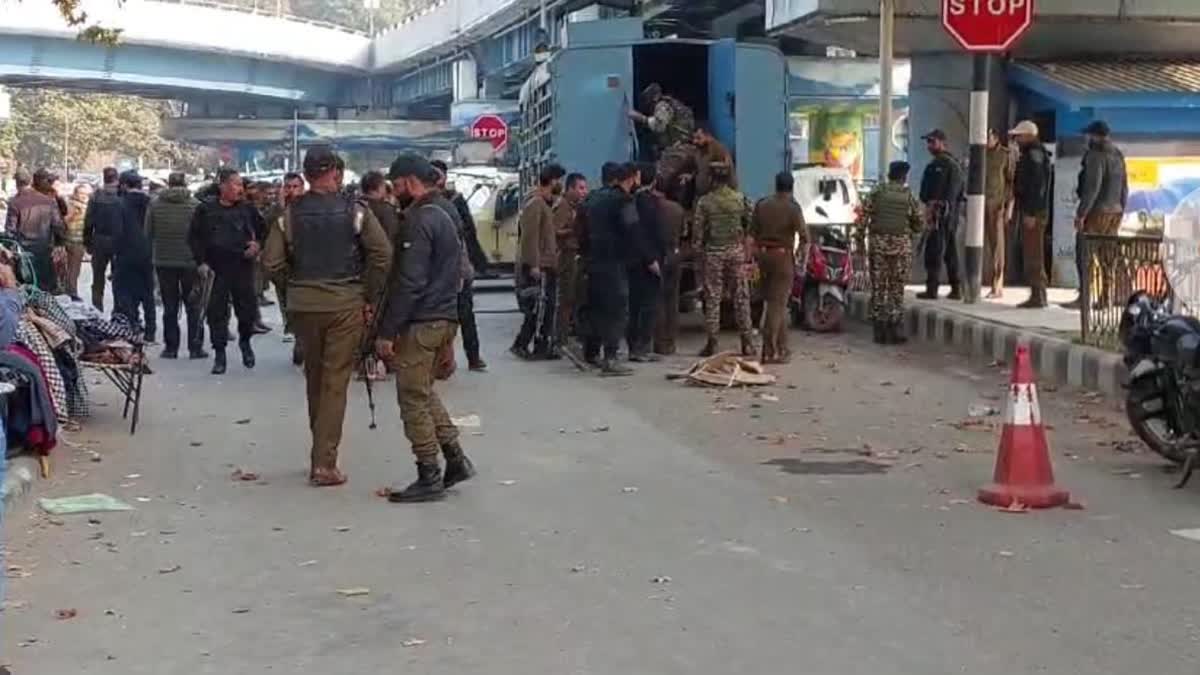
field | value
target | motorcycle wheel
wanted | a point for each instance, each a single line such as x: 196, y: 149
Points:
x: 1146, y: 409
x: 827, y: 319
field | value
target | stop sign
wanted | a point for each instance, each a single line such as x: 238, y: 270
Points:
x: 986, y: 25
x: 490, y: 128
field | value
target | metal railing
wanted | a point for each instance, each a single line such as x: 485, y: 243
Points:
x: 270, y: 9
x: 1114, y: 268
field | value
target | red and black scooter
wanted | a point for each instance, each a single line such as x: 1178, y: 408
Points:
x: 819, y: 292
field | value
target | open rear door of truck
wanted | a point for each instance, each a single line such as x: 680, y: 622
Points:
x: 760, y: 111
x: 592, y: 98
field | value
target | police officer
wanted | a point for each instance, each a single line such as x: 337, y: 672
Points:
x: 419, y: 321
x: 777, y: 231
x: 722, y: 219
x: 673, y: 123
x: 335, y: 256
x: 611, y: 220
x: 893, y: 216
x: 941, y: 189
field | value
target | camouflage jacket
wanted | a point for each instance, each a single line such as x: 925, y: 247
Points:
x: 722, y: 217
x: 672, y: 122
x: 891, y: 208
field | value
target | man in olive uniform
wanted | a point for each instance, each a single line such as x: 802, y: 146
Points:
x: 537, y: 274
x: 335, y: 256
x: 941, y: 189
x: 777, y: 230
x: 672, y: 123
x: 565, y: 212
x: 418, y: 321
x: 997, y: 205
x: 709, y: 151
x: 672, y: 218
x: 722, y: 219
x: 893, y: 217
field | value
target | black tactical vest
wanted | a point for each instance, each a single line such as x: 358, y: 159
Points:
x: 324, y: 242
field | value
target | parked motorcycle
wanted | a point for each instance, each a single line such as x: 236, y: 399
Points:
x: 1162, y: 356
x: 818, y: 300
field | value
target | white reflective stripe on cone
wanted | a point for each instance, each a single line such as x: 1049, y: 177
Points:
x: 1023, y: 407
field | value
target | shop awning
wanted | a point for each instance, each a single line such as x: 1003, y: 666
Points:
x: 1119, y: 83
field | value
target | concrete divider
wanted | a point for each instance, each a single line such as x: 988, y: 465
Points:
x: 1055, y: 360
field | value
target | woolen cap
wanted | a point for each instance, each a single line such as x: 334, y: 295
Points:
x: 1024, y: 128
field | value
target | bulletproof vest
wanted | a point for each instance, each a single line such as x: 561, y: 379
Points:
x: 683, y: 123
x: 324, y: 241
x: 725, y: 209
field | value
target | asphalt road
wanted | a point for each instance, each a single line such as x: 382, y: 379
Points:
x: 632, y: 526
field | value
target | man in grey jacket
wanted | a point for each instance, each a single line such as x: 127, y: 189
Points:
x: 1103, y: 193
x: 167, y: 222
x: 419, y: 320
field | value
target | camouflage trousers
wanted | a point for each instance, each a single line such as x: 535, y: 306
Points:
x: 891, y: 263
x: 726, y: 267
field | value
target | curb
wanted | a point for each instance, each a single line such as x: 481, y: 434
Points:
x: 1055, y: 360
x: 18, y: 481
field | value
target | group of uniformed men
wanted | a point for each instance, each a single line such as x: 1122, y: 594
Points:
x: 607, y: 265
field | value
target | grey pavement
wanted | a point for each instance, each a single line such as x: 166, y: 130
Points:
x: 630, y: 526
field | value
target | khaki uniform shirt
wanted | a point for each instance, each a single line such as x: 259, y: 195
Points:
x: 538, y: 243
x: 779, y: 222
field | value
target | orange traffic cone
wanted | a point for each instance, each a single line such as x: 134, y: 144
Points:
x: 1023, y: 476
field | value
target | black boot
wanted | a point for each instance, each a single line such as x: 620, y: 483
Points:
x: 611, y: 368
x: 197, y: 353
x: 169, y: 353
x: 895, y: 334
x: 247, y: 353
x: 710, y: 348
x: 428, y: 487
x: 458, y: 466
x: 955, y: 292
x: 219, y: 362
x: 880, y: 333
x: 931, y: 292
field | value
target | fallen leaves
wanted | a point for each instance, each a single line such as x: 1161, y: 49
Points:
x: 1015, y: 506
x: 66, y: 614
x: 244, y: 475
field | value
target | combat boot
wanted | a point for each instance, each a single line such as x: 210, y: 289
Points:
x: 710, y: 348
x: 428, y: 487
x: 458, y: 466
x: 219, y: 362
x: 247, y: 353
x: 1037, y: 299
x: 895, y: 333
x: 931, y: 292
x: 955, y: 292
x: 611, y: 368
x: 880, y: 333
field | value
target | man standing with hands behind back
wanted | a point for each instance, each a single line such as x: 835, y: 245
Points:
x: 419, y: 319
x: 335, y: 255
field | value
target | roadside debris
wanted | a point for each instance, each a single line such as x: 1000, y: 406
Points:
x: 1193, y: 534
x: 340, y: 528
x: 508, y: 483
x: 727, y: 369
x: 467, y: 422
x: 603, y: 428
x: 982, y: 410
x: 243, y: 421
x: 307, y: 563
x: 1015, y: 506
x: 170, y: 570
x: 353, y: 592
x: 241, y: 610
x: 414, y: 642
x: 93, y: 503
x: 629, y: 490
x: 244, y: 475
x: 661, y: 580
x: 66, y: 614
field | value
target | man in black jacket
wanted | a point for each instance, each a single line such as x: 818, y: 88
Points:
x: 941, y: 189
x: 101, y: 225
x: 645, y: 269
x: 223, y: 238
x: 1031, y: 195
x: 478, y: 260
x: 611, y: 219
x: 419, y: 321
x: 133, y: 266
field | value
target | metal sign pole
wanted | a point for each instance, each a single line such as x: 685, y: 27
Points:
x: 976, y: 178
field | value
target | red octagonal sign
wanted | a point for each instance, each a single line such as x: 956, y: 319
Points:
x: 987, y: 25
x: 490, y: 128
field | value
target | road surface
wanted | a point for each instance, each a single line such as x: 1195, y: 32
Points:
x: 616, y: 526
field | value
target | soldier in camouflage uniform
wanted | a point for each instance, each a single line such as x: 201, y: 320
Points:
x: 893, y: 217
x: 673, y: 125
x: 722, y: 217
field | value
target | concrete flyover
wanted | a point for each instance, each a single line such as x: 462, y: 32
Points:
x: 172, y: 49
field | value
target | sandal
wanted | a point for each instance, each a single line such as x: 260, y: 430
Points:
x: 326, y: 478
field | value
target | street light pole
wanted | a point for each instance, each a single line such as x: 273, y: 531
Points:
x: 887, y: 35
